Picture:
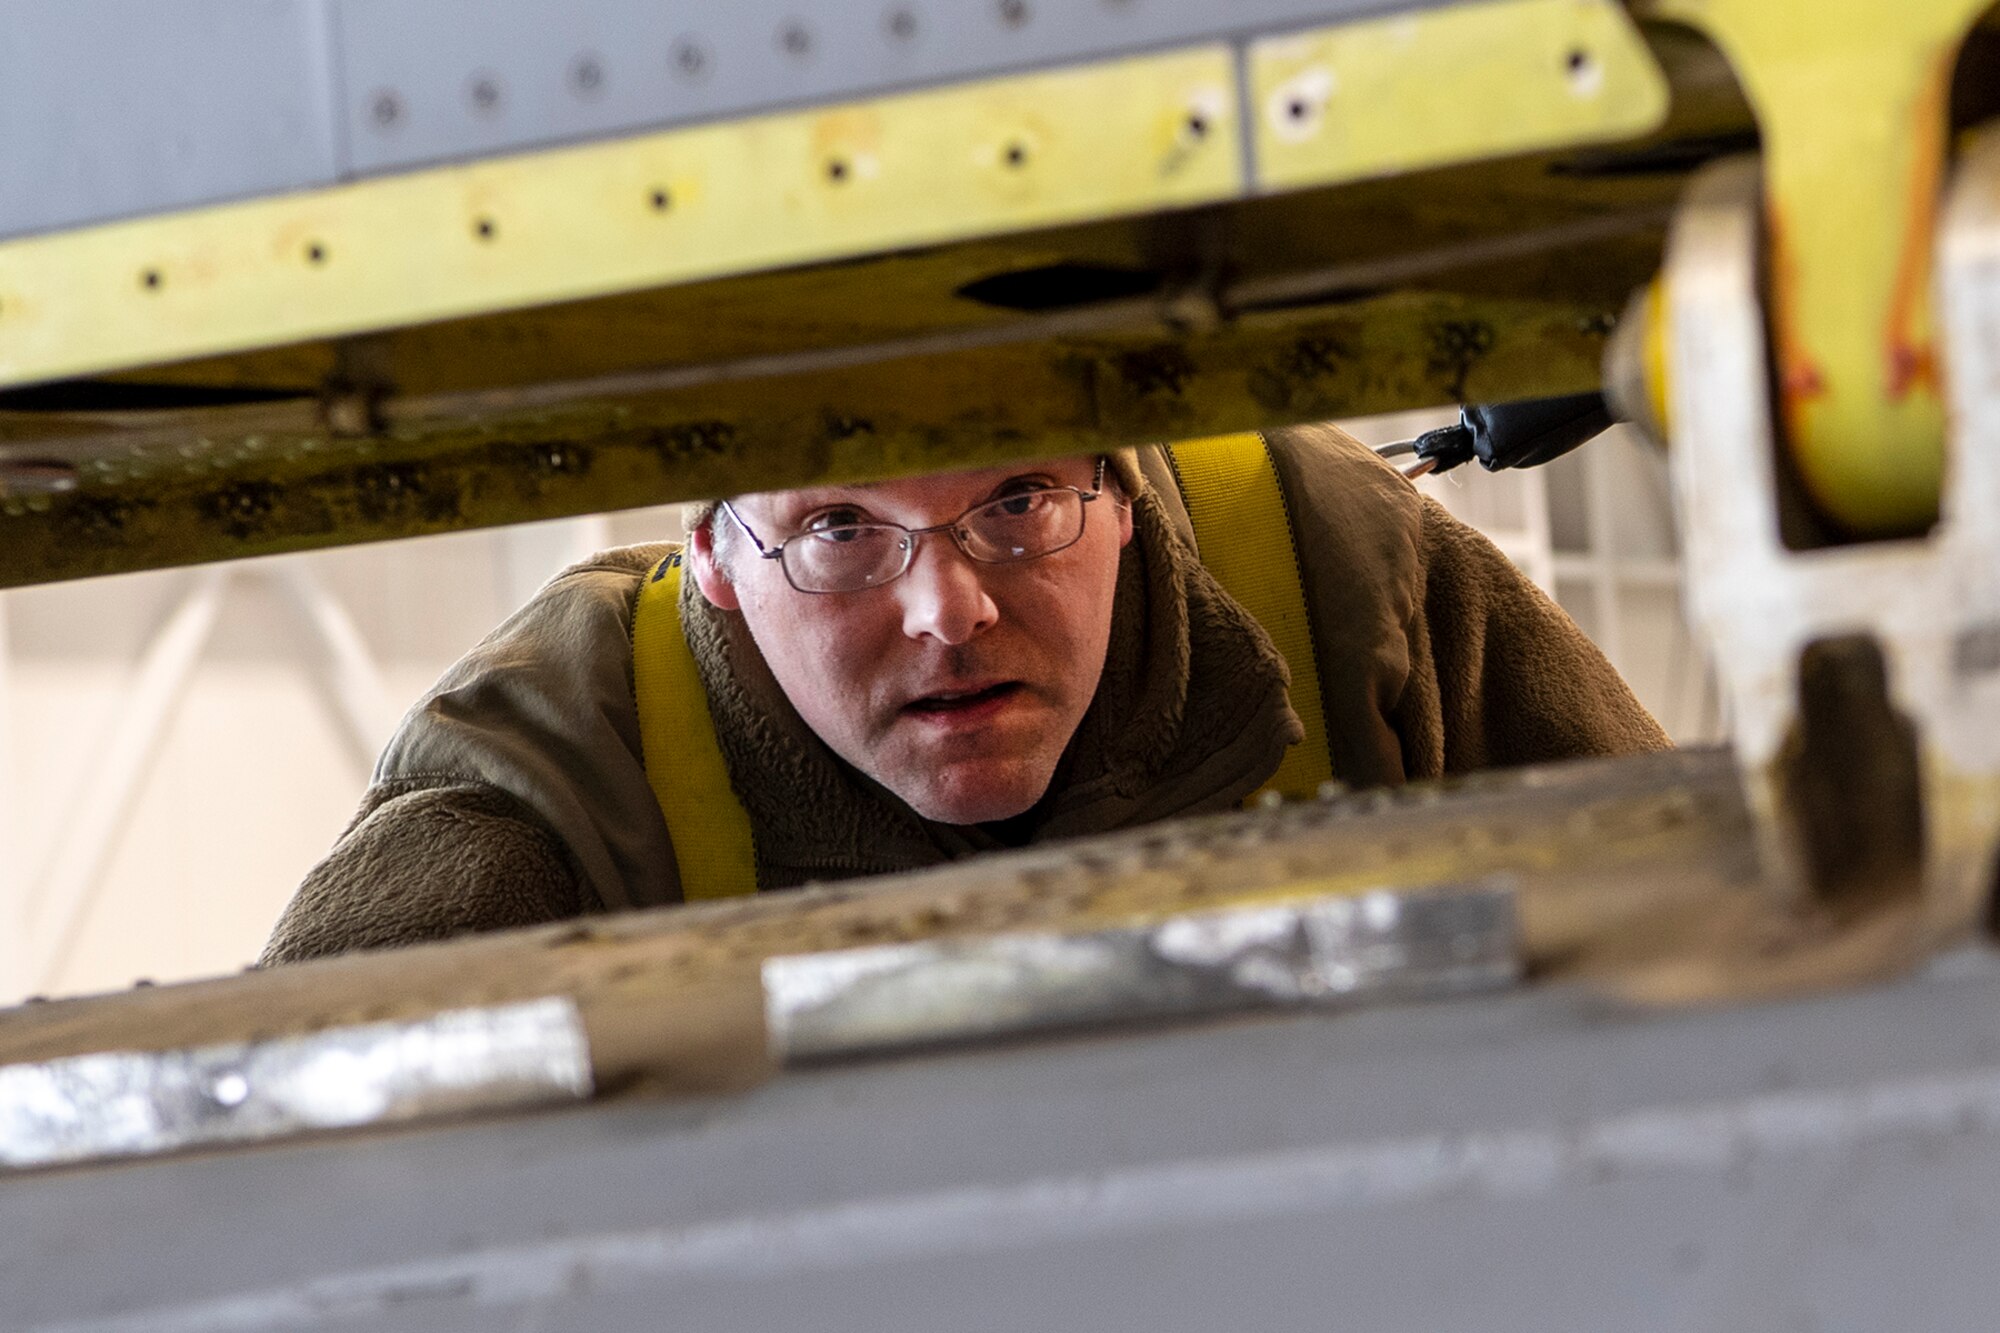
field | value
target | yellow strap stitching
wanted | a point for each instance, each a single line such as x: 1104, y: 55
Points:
x: 1244, y: 535
x: 684, y: 764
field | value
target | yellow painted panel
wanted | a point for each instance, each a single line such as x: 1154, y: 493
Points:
x: 1028, y: 151
x: 1449, y: 85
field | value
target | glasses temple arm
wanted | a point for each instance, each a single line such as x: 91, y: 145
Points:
x: 768, y: 552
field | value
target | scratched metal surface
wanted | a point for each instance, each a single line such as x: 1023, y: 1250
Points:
x: 1535, y: 1162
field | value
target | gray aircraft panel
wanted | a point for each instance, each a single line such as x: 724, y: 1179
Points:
x: 1539, y: 1161
x: 455, y: 78
x: 112, y: 108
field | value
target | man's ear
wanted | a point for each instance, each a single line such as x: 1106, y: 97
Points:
x: 709, y: 574
x: 1123, y: 508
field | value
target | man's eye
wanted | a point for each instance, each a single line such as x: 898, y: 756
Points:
x: 1022, y: 504
x: 836, y: 524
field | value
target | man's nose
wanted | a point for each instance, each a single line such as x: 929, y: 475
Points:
x: 944, y: 594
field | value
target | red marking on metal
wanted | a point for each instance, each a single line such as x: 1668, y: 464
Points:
x: 1911, y: 368
x: 1799, y: 375
x: 1803, y: 381
x: 1912, y: 355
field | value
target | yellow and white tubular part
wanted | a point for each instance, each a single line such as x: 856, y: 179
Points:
x: 1852, y: 102
x: 1908, y: 633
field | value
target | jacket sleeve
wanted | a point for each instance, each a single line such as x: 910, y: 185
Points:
x: 513, y: 793
x: 426, y: 862
x: 1501, y: 675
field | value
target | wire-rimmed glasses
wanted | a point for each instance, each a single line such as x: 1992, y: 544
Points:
x: 853, y: 557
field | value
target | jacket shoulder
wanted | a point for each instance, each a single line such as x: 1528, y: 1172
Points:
x: 1437, y: 654
x: 543, y: 710
x: 1517, y: 681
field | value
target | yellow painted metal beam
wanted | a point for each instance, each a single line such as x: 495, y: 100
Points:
x: 1133, y: 136
x: 178, y: 489
x: 1137, y: 136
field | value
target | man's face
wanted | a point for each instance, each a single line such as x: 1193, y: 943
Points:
x: 958, y: 685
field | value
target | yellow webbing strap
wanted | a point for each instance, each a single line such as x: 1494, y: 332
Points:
x: 1244, y: 535
x: 708, y: 825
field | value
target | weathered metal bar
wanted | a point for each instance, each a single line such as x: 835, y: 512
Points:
x: 135, y: 1103
x: 1384, y: 944
x: 264, y: 479
x: 1636, y: 875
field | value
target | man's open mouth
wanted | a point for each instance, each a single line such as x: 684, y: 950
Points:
x: 971, y: 699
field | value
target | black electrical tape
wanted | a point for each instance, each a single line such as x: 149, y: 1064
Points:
x: 1524, y: 434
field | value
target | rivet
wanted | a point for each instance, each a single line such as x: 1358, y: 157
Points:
x: 836, y: 169
x: 902, y: 24
x: 1017, y: 154
x: 38, y: 478
x: 795, y: 39
x: 485, y: 229
x: 386, y: 109
x: 587, y: 76
x: 662, y: 201
x: 690, y: 58
x: 316, y: 253
x: 1014, y: 13
x: 151, y: 280
x: 1197, y: 124
x: 1586, y: 75
x: 485, y: 94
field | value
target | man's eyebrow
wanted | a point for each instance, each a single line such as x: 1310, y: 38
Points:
x: 807, y: 496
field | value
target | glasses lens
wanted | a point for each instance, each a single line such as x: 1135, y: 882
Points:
x: 1021, y: 527
x: 844, y: 559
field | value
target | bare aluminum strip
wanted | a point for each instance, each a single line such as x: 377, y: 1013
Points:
x: 140, y: 1103
x: 1385, y: 944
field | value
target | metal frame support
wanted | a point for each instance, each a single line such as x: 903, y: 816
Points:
x: 13, y: 880
x: 60, y: 895
x: 1931, y: 607
x: 55, y: 900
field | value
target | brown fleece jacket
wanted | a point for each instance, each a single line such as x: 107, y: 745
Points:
x: 515, y: 792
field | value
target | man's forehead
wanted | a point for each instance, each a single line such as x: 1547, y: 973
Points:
x: 970, y: 479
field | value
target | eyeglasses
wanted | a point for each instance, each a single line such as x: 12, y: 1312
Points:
x: 853, y: 557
